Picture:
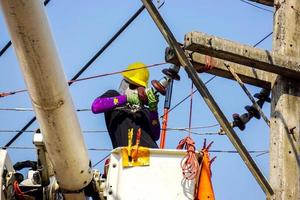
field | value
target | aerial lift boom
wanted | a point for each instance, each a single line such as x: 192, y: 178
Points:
x: 48, y: 89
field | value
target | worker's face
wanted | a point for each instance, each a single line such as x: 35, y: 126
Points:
x: 127, y: 87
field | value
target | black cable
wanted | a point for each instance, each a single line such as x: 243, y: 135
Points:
x: 244, y: 1
x: 5, y: 48
x: 46, y: 2
x: 180, y: 102
x: 138, y: 12
x: 9, y: 42
x: 85, y: 66
x: 101, y: 160
x: 260, y: 41
x: 19, y: 133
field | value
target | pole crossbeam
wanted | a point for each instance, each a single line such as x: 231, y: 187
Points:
x: 248, y: 75
x: 243, y: 54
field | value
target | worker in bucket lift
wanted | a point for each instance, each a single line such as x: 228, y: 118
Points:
x: 125, y: 109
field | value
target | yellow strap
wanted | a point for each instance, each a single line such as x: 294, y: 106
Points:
x: 143, y: 156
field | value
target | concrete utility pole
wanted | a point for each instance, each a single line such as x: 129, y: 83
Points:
x: 285, y: 106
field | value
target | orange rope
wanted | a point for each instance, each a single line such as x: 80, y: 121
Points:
x: 189, y: 163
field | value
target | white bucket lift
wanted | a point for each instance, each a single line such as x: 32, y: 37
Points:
x: 162, y: 179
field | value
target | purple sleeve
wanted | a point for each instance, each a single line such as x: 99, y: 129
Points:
x: 155, y: 125
x: 104, y: 104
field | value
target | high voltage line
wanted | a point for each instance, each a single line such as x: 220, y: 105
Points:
x: 8, y: 44
x: 108, y: 149
x: 252, y: 4
x: 4, y: 94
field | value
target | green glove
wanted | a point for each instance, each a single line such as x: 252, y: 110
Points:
x: 133, y: 99
x: 152, y: 100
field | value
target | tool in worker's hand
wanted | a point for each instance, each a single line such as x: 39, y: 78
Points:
x: 171, y: 74
x: 161, y: 85
x: 166, y: 115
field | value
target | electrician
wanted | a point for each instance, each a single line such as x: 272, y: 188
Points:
x: 124, y: 109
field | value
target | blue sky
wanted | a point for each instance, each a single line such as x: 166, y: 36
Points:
x: 81, y: 28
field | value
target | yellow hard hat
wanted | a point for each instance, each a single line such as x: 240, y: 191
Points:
x: 139, y: 77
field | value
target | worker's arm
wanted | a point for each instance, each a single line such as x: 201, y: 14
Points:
x: 108, y: 101
x: 152, y: 103
x: 112, y: 99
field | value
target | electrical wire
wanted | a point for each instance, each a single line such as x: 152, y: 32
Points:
x: 4, y: 94
x: 8, y: 44
x: 102, y: 159
x: 244, y: 1
x: 185, y: 98
x: 263, y: 39
x: 95, y: 131
x: 105, y: 131
x: 109, y: 149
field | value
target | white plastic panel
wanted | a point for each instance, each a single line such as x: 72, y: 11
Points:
x: 5, y: 164
x: 162, y: 180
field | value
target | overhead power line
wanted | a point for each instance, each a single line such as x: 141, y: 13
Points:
x: 101, y: 160
x: 4, y: 94
x: 256, y: 6
x: 8, y: 44
x: 109, y: 42
x: 105, y: 131
x: 263, y: 39
x: 108, y: 149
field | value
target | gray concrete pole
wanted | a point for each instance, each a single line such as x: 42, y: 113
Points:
x: 285, y: 106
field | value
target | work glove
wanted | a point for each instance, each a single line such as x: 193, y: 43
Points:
x: 133, y: 99
x: 152, y: 99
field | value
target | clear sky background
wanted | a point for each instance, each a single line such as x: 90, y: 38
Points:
x: 80, y: 28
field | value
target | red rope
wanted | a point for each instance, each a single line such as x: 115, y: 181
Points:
x: 4, y: 94
x: 17, y: 190
x: 189, y: 163
x: 209, y: 64
x: 117, y: 72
